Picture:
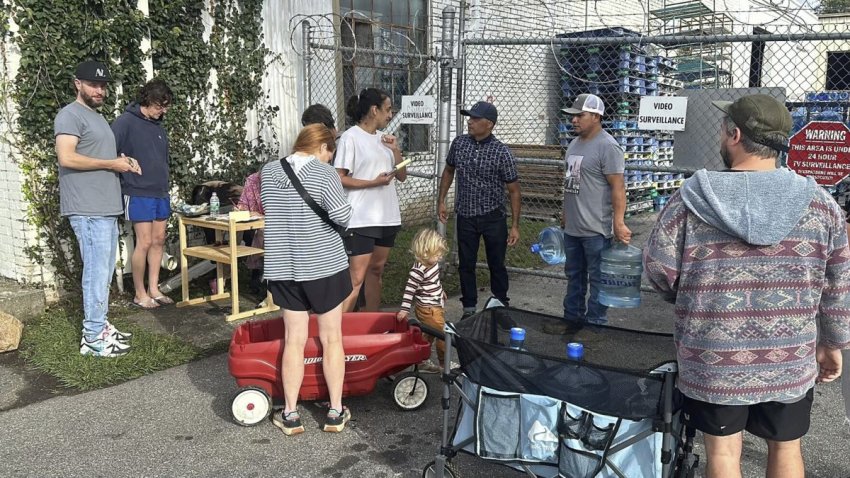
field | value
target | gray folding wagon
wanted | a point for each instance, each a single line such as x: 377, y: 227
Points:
x: 616, y: 413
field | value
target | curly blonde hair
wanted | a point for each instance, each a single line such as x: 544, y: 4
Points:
x: 428, y: 246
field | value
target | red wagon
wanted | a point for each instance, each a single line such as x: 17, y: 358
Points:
x: 376, y: 346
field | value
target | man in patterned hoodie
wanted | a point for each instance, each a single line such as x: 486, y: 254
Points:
x: 756, y: 260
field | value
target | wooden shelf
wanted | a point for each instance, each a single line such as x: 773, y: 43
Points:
x: 220, y: 253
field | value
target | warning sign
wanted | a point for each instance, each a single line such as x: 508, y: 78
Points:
x: 821, y: 150
x: 421, y: 109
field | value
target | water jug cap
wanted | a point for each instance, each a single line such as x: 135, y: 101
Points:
x: 517, y: 333
x: 535, y: 248
x: 575, y: 350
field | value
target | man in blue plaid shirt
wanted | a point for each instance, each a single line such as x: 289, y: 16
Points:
x: 485, y: 167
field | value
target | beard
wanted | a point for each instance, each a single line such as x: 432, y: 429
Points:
x: 724, y: 154
x: 90, y: 101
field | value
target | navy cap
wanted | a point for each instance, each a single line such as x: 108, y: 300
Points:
x: 92, y: 71
x: 482, y: 109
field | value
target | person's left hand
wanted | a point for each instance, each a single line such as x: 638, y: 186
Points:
x: 622, y: 233
x: 401, y: 315
x: 829, y: 364
x: 390, y: 141
x: 513, y: 235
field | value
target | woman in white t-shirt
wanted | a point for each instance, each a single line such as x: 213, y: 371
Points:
x: 365, y: 160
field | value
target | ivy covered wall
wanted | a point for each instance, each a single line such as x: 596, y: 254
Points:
x: 211, y: 54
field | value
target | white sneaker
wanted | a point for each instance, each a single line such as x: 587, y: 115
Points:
x: 123, y: 337
x: 429, y: 367
x: 104, y: 346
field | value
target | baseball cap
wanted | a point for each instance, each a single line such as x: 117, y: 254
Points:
x: 92, y: 71
x: 759, y: 116
x: 586, y: 102
x: 482, y: 109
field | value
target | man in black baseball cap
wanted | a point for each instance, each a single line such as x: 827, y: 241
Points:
x: 90, y: 197
x: 485, y: 168
x: 91, y: 78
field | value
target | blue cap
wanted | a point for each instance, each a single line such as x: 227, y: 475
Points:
x: 575, y: 350
x: 482, y: 109
x: 535, y: 248
x: 517, y: 333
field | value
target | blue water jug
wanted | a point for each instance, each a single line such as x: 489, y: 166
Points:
x: 550, y: 245
x: 621, y: 268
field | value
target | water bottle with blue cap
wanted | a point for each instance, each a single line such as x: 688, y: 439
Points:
x: 517, y: 338
x: 575, y: 351
x: 550, y: 246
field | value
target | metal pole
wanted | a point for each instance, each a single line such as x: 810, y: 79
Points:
x: 445, y: 106
x: 307, y: 96
x: 461, y: 68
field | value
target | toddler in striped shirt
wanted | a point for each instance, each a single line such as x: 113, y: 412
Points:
x: 424, y: 290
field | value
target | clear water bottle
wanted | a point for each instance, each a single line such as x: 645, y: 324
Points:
x: 621, y: 268
x: 517, y: 338
x: 214, y: 204
x: 550, y: 245
x: 575, y: 351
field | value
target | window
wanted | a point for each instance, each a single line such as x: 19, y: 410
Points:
x: 838, y: 70
x: 388, y: 26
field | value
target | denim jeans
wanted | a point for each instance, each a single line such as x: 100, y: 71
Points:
x: 98, y: 239
x: 584, y: 256
x: 493, y: 228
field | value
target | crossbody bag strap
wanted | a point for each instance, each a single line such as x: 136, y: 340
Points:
x: 290, y: 173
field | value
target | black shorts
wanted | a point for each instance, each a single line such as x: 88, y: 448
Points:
x: 774, y: 421
x: 320, y: 295
x: 363, y: 240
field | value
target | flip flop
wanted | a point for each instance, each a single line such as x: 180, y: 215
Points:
x: 148, y: 303
x: 163, y: 300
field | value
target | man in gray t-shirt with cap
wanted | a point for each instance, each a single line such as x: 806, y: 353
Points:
x: 594, y: 210
x: 90, y: 197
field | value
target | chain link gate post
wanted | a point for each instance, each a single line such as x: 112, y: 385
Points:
x: 306, y: 96
x: 447, y: 63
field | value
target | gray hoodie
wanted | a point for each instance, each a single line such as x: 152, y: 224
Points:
x: 759, y: 207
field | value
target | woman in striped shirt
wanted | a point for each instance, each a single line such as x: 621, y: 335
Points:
x: 307, y: 268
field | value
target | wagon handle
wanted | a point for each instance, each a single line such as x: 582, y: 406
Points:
x: 428, y: 330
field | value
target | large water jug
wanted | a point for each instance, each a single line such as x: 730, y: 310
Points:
x: 621, y: 268
x: 550, y: 245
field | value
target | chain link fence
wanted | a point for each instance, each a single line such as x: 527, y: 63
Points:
x: 350, y: 52
x: 532, y: 58
x: 530, y: 79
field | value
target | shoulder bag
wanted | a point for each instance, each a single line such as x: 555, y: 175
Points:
x: 323, y: 215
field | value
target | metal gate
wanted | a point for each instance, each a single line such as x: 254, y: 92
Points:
x: 336, y: 68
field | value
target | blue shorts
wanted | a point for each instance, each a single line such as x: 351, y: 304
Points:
x: 145, y: 209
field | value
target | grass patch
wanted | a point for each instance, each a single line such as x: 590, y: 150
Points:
x: 400, y: 260
x: 51, y: 343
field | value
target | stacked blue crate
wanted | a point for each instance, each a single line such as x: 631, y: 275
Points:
x: 821, y: 106
x: 621, y: 75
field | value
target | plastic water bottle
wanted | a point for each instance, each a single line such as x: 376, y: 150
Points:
x: 517, y: 338
x: 575, y: 351
x: 621, y: 268
x: 214, y: 205
x: 550, y: 245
